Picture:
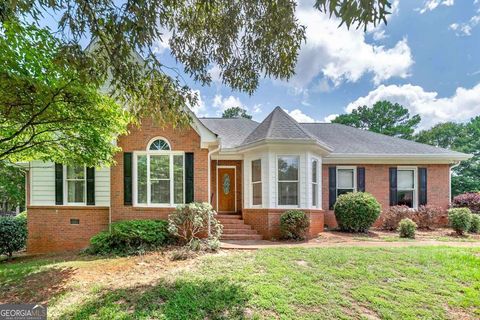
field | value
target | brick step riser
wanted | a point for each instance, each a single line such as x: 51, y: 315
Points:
x: 231, y: 221
x: 224, y: 216
x: 236, y: 226
x: 242, y: 237
x: 239, y: 231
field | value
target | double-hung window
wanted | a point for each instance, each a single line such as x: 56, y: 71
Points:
x: 314, y: 182
x: 346, y: 180
x: 287, y: 180
x: 406, y: 187
x: 160, y: 175
x: 257, y: 182
x: 76, y: 184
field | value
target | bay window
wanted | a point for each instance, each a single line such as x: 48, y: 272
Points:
x: 76, y: 184
x: 159, y: 175
x: 406, y: 187
x: 346, y: 180
x: 287, y: 180
x: 257, y: 182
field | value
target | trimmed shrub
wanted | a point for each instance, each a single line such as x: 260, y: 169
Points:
x: 460, y: 219
x: 474, y: 224
x: 469, y: 200
x: 131, y: 237
x: 294, y: 225
x: 13, y: 234
x: 392, y: 217
x: 427, y: 217
x: 356, y: 211
x: 190, y: 221
x: 407, y: 228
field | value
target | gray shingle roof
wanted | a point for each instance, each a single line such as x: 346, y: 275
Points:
x: 232, y: 131
x: 341, y: 139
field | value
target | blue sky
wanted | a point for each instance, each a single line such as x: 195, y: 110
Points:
x: 427, y: 58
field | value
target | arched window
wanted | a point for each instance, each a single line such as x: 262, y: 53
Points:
x: 159, y: 145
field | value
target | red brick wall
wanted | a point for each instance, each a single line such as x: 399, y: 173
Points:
x: 267, y: 221
x: 49, y: 228
x: 239, y: 177
x: 377, y: 183
x: 186, y: 139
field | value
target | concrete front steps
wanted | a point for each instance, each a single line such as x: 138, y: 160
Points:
x: 234, y: 228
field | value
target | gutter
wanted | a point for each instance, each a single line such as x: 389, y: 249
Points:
x: 457, y: 163
x: 209, y: 169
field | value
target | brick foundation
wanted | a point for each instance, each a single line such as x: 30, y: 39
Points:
x: 50, y: 230
x: 267, y: 221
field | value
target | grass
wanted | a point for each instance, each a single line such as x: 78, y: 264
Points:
x: 306, y: 283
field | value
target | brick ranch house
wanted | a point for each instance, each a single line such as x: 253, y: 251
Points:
x: 250, y: 172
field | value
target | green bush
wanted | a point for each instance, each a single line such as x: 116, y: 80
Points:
x: 407, y: 228
x: 191, y: 221
x: 356, y: 211
x: 131, y: 237
x: 474, y: 224
x: 294, y: 224
x: 13, y: 234
x: 460, y: 219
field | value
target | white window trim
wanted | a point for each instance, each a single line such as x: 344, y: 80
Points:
x: 256, y: 182
x: 317, y: 183
x: 297, y: 181
x: 65, y: 187
x: 158, y: 138
x: 415, y: 184
x: 148, y: 153
x: 354, y: 168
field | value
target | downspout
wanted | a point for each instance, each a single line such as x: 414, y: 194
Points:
x: 209, y: 169
x: 450, y: 182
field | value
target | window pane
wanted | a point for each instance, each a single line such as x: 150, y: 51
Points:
x: 159, y: 145
x: 160, y: 191
x: 257, y: 194
x: 314, y: 170
x: 288, y: 193
x: 256, y: 170
x: 160, y: 167
x: 314, y: 194
x: 345, y: 179
x: 142, y: 179
x: 343, y: 191
x: 76, y: 191
x: 178, y: 179
x: 405, y: 198
x: 75, y: 172
x: 288, y: 168
x: 405, y: 179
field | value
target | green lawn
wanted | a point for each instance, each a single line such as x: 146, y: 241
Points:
x: 307, y: 283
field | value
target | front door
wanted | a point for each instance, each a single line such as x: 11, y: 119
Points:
x: 226, y: 190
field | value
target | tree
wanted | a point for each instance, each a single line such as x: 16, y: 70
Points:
x: 383, y: 117
x: 246, y: 40
x: 50, y: 104
x: 236, y: 112
x: 12, y: 187
x: 463, y: 138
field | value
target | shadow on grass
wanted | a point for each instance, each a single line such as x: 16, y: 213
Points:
x: 37, y: 287
x: 183, y: 299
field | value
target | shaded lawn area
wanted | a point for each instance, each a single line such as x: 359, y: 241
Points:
x: 307, y: 283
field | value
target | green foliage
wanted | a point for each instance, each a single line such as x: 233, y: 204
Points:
x: 12, y: 187
x: 131, y: 237
x: 407, y: 228
x: 13, y: 234
x: 50, y: 106
x: 356, y: 211
x: 474, y: 224
x: 460, y: 219
x: 442, y: 135
x: 383, y: 117
x: 192, y: 220
x: 294, y: 225
x: 236, y: 112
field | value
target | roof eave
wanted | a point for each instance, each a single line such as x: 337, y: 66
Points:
x: 395, y: 158
x: 256, y: 144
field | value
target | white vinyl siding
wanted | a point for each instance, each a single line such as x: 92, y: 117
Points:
x: 42, y: 185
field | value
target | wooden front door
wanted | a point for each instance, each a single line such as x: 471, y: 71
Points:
x: 226, y: 189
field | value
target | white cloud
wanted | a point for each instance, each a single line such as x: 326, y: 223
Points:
x: 330, y: 117
x: 299, y: 116
x: 461, y: 106
x: 162, y: 45
x: 341, y: 55
x: 222, y: 103
x: 465, y: 28
x: 431, y: 5
x: 200, y: 108
x: 257, y: 108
